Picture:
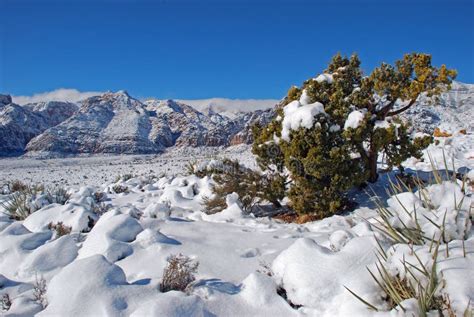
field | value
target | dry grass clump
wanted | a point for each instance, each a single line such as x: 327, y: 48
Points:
x: 441, y: 134
x: 5, y: 302
x: 39, y: 291
x: 118, y: 189
x: 178, y: 274
x: 59, y: 228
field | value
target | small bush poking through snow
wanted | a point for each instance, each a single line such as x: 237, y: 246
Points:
x: 17, y: 186
x: 39, y: 291
x: 118, y: 189
x: 5, y: 302
x: 251, y: 186
x: 58, y: 195
x: 60, y: 229
x: 100, y: 208
x: 178, y: 274
x: 99, y: 197
x: 124, y: 177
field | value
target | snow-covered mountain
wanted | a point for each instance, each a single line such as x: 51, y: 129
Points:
x: 19, y: 124
x: 118, y: 123
x: 111, y: 123
x: 452, y: 111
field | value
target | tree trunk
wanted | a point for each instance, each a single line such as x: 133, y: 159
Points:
x: 373, y: 175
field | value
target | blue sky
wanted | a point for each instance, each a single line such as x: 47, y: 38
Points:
x: 201, y: 49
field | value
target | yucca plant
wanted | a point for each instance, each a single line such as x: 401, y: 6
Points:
x: 418, y: 281
x: 21, y: 203
x: 23, y: 199
x: 398, y: 288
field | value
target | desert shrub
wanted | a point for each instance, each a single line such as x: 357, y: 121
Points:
x: 178, y: 273
x: 328, y: 134
x: 123, y: 177
x: 17, y: 186
x: 58, y: 195
x: 99, y: 197
x: 27, y: 199
x: 120, y: 189
x: 209, y: 168
x: 214, y: 204
x: 59, y: 228
x: 251, y: 186
x: 39, y: 291
x: 5, y: 302
x: 100, y: 208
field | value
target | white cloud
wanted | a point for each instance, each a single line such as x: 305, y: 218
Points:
x: 62, y: 94
x: 230, y: 106
x: 225, y: 106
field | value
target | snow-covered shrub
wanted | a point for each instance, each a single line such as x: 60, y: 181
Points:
x: 99, y: 197
x: 17, y: 186
x: 118, y: 189
x: 436, y: 212
x: 123, y: 177
x: 178, y: 273
x: 59, y: 228
x: 329, y: 133
x: 39, y: 291
x: 5, y: 302
x: 100, y: 208
x: 417, y: 279
x: 58, y: 195
x: 251, y: 187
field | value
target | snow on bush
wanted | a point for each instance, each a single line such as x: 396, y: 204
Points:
x: 299, y: 116
x: 354, y: 119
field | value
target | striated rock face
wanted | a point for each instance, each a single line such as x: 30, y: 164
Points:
x: 178, y: 124
x: 111, y: 123
x: 451, y: 112
x: 246, y: 121
x: 18, y: 125
x: 117, y: 123
x: 53, y: 111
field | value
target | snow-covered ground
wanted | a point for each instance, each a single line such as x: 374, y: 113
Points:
x: 115, y: 268
x: 98, y: 169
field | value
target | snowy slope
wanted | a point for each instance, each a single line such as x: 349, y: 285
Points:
x: 111, y: 123
x: 117, y: 123
x: 452, y: 112
x: 19, y: 124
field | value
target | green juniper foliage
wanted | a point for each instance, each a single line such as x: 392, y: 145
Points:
x: 328, y: 159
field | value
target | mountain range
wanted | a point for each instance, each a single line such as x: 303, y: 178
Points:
x: 120, y: 124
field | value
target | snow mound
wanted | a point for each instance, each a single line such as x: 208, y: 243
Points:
x: 104, y: 291
x: 40, y: 262
x: 449, y: 209
x: 314, y: 276
x: 111, y: 237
